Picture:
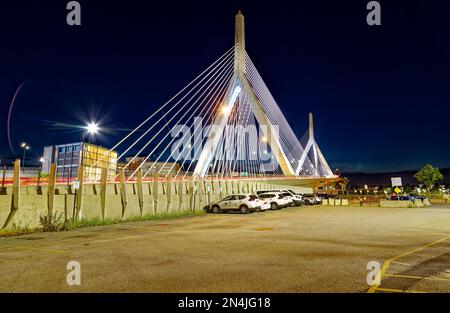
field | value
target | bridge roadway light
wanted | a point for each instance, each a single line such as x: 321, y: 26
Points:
x: 226, y: 109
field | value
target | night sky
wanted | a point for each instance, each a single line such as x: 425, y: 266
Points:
x: 380, y: 95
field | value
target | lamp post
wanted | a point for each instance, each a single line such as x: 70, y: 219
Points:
x: 90, y: 128
x: 41, y: 160
x: 25, y: 147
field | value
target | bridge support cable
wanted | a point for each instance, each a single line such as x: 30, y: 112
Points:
x: 210, y: 77
x: 160, y: 124
x: 290, y: 145
x: 201, y: 76
x: 204, y: 102
x: 216, y: 126
x: 198, y: 131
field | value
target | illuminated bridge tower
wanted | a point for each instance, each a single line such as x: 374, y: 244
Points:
x: 239, y: 88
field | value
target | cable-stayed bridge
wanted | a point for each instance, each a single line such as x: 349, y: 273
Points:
x: 224, y: 123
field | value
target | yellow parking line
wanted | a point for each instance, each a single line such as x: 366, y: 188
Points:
x: 401, y: 263
x: 388, y: 262
x: 400, y: 291
x: 417, y: 277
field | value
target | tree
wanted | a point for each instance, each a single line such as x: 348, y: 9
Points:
x: 428, y: 176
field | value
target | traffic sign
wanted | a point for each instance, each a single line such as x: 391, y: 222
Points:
x: 397, y: 190
x: 396, y: 181
x: 76, y: 184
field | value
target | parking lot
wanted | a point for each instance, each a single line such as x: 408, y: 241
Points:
x: 299, y: 249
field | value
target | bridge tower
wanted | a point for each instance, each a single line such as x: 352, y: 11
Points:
x: 239, y: 86
x: 320, y: 165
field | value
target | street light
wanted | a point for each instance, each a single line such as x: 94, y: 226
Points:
x: 92, y: 128
x: 25, y: 147
x: 41, y: 160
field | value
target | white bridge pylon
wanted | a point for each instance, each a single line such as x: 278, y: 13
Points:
x: 190, y: 134
x: 242, y: 87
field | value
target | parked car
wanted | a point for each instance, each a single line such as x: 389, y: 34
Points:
x: 326, y: 196
x: 277, y: 200
x: 402, y: 198
x: 319, y: 199
x: 296, y: 197
x: 410, y: 197
x: 244, y: 203
x: 309, y: 199
x: 417, y: 197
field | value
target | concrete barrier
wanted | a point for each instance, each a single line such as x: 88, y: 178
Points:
x: 160, y: 197
x: 405, y: 203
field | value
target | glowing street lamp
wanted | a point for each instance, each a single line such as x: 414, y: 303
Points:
x: 92, y: 128
x: 25, y: 147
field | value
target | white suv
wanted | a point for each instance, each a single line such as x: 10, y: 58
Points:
x: 245, y: 203
x: 277, y: 200
x: 296, y: 198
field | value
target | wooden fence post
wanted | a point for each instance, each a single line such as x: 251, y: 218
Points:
x: 51, y: 191
x: 123, y: 193
x: 16, y: 193
x: 168, y: 191
x: 140, y: 191
x: 79, y: 192
x: 191, y: 194
x: 180, y: 195
x: 104, y: 175
x: 155, y: 192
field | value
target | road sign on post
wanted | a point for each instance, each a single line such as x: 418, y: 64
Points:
x: 396, y: 181
x: 76, y: 184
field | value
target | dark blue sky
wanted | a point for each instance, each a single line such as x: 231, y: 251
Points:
x: 380, y: 95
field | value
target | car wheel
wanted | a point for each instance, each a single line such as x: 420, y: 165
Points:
x: 243, y: 209
x: 274, y: 206
x: 292, y: 204
x: 215, y: 209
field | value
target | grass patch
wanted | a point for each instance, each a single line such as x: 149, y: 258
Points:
x: 17, y: 231
x: 57, y: 225
x: 148, y: 217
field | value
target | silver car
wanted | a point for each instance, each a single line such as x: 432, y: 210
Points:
x: 245, y: 203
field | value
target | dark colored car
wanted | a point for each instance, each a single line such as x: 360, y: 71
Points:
x: 401, y: 198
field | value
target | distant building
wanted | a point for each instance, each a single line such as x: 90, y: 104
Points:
x: 149, y: 167
x: 68, y: 157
